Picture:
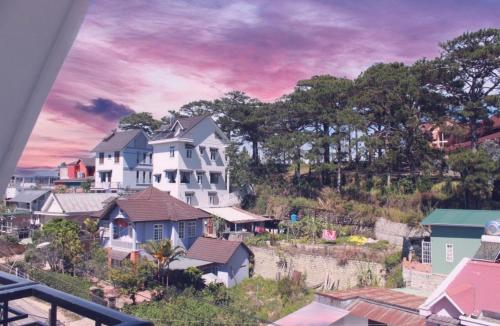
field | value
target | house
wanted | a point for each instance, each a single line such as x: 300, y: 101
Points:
x: 228, y: 261
x: 74, y: 206
x: 73, y: 174
x: 470, y: 294
x: 152, y: 214
x: 123, y: 160
x: 455, y: 234
x: 28, y: 200
x: 359, y: 307
x: 190, y: 162
x: 237, y: 220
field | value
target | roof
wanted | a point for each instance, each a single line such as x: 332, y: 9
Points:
x: 235, y: 215
x: 83, y: 202
x: 384, y: 295
x: 476, y: 287
x: 385, y: 314
x: 214, y: 250
x: 314, y: 314
x: 184, y: 263
x: 117, y: 140
x: 28, y: 196
x: 88, y: 161
x: 461, y: 217
x: 152, y: 204
x: 118, y: 254
x: 488, y: 251
x: 187, y: 124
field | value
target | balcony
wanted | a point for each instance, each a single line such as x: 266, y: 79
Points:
x: 15, y: 288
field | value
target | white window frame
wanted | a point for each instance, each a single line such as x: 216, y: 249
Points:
x: 199, y: 177
x: 213, y: 154
x: 189, y: 152
x: 202, y: 150
x: 212, y: 198
x: 189, y: 198
x: 181, y: 229
x: 191, y: 229
x: 172, y: 151
x: 216, y: 178
x: 167, y: 176
x: 449, y: 254
x: 188, y: 177
x: 157, y: 228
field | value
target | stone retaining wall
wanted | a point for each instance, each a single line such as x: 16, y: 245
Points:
x: 395, y: 232
x: 318, y: 269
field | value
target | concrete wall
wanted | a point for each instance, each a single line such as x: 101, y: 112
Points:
x: 394, y: 232
x: 422, y: 281
x: 318, y: 269
x: 465, y: 241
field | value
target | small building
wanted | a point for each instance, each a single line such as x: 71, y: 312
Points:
x: 149, y: 215
x: 455, y: 234
x: 28, y: 200
x: 470, y: 294
x: 237, y: 220
x: 123, y: 160
x: 73, y: 174
x: 74, y: 206
x: 229, y: 261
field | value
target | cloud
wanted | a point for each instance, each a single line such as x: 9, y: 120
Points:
x: 105, y: 109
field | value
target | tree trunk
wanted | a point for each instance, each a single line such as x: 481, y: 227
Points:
x: 326, y: 153
x: 255, y: 152
x: 339, y: 163
x: 473, y: 135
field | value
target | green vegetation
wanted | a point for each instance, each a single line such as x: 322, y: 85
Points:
x: 249, y: 302
x: 394, y: 271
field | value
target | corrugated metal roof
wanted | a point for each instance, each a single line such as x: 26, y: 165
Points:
x: 315, y: 313
x: 116, y: 141
x: 185, y: 262
x: 27, y: 196
x: 461, y: 217
x: 83, y: 202
x: 235, y: 215
x: 386, y: 314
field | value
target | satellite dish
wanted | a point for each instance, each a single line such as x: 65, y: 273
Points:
x: 492, y: 228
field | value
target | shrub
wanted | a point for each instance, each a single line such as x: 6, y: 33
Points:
x: 395, y: 278
x: 392, y: 260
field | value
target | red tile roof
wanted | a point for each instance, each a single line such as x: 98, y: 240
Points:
x: 476, y: 287
x: 152, y: 204
x: 214, y: 250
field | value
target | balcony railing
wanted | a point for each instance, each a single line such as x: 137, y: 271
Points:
x: 14, y: 288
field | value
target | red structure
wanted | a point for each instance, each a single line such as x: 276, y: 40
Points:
x: 79, y: 169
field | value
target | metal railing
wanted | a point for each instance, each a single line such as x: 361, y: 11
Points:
x: 14, y: 288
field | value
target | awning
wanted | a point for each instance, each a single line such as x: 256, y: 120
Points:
x: 314, y: 314
x: 235, y: 215
x: 118, y: 254
x: 184, y: 263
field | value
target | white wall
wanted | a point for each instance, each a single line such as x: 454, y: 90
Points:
x: 236, y: 270
x: 203, y: 135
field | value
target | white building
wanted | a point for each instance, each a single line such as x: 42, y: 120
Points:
x: 189, y: 161
x: 123, y: 160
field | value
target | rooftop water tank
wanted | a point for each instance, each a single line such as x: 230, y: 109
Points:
x: 492, y: 227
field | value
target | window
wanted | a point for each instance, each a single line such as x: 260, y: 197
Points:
x: 101, y: 158
x: 157, y: 178
x: 117, y: 157
x: 214, y: 178
x: 157, y: 232
x: 143, y: 176
x: 189, y: 198
x: 212, y: 198
x: 449, y: 253
x: 172, y: 151
x: 171, y: 176
x: 189, y: 151
x: 181, y: 230
x: 213, y: 154
x: 150, y: 158
x: 191, y: 228
x: 202, y: 150
x: 199, y: 177
x: 136, y: 176
x: 149, y: 176
x: 138, y: 158
x: 185, y: 176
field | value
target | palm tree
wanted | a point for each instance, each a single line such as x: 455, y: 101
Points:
x: 164, y: 253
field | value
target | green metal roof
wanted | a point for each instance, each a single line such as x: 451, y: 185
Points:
x: 461, y: 217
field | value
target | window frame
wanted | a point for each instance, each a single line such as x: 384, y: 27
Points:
x: 213, y: 153
x: 202, y: 150
x: 212, y: 198
x: 157, y: 227
x: 191, y: 229
x: 171, y: 180
x: 199, y: 177
x: 449, y: 253
x: 157, y: 177
x: 189, y: 195
x: 172, y: 151
x: 116, y: 157
x: 187, y: 175
x: 101, y: 158
x: 179, y: 227
x: 216, y: 180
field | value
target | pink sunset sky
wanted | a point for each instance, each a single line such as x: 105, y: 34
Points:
x: 158, y: 55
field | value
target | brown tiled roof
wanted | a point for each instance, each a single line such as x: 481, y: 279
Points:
x: 214, y: 250
x: 379, y: 294
x: 152, y: 204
